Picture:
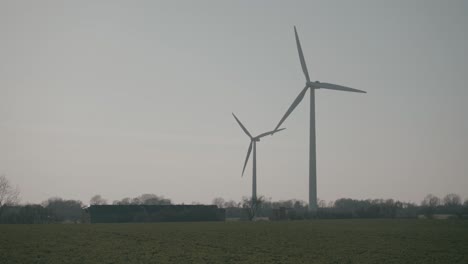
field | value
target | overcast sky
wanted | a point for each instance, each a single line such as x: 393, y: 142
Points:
x: 121, y: 98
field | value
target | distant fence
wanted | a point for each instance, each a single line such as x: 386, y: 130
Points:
x: 154, y: 213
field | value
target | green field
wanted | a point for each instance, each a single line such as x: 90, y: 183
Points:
x: 320, y: 241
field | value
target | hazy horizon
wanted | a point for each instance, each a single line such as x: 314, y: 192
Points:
x: 122, y: 98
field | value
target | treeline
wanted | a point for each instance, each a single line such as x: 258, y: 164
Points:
x: 451, y: 206
x: 58, y: 210
x: 144, y: 199
x: 53, y: 210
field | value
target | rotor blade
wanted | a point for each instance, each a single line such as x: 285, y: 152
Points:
x: 269, y: 133
x: 242, y: 126
x: 247, y: 158
x: 293, y: 105
x: 336, y: 87
x: 301, y: 56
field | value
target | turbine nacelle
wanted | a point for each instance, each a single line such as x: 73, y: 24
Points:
x: 253, y: 140
x: 315, y: 85
x: 312, y: 147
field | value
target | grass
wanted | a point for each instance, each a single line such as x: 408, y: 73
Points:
x: 321, y: 241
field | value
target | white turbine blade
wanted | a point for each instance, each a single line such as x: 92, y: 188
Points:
x: 242, y: 126
x: 247, y: 158
x: 301, y: 56
x: 269, y: 133
x: 293, y: 105
x: 336, y: 87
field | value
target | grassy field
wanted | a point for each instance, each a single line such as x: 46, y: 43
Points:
x: 321, y: 241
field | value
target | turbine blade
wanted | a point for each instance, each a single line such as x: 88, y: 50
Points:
x: 247, y: 158
x: 293, y: 105
x: 336, y: 87
x: 301, y: 56
x: 242, y: 126
x: 269, y: 133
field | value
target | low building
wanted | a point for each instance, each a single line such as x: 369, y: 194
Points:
x: 154, y: 213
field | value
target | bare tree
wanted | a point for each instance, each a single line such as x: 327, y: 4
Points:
x: 65, y: 210
x: 231, y: 204
x: 452, y: 199
x: 252, y: 206
x: 124, y: 201
x: 431, y: 201
x: 321, y: 203
x: 218, y: 201
x: 430, y: 204
x: 97, y: 200
x: 8, y: 194
x: 144, y: 199
x: 151, y: 199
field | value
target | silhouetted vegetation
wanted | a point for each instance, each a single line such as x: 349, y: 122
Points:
x: 8, y: 195
x: 58, y: 210
x: 349, y: 208
x: 65, y: 210
x: 144, y: 199
x: 97, y: 200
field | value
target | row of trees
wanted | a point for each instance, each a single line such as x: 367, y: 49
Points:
x: 451, y: 204
x: 146, y: 199
x: 430, y: 200
x: 56, y: 209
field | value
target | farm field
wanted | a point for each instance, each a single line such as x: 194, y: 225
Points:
x: 319, y: 241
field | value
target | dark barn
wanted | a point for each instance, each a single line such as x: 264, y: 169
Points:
x: 154, y: 213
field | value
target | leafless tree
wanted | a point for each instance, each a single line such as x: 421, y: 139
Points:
x: 321, y: 203
x: 431, y: 201
x: 231, y: 203
x: 452, y: 199
x: 97, y: 200
x: 8, y: 194
x: 252, y: 206
x: 152, y: 199
x: 124, y: 201
x: 65, y: 210
x: 144, y: 199
x: 429, y: 204
x: 218, y: 201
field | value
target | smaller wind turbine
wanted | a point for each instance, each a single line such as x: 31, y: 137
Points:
x: 252, y: 145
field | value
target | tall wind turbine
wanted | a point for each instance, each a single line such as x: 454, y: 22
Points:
x: 312, y: 148
x: 252, y: 145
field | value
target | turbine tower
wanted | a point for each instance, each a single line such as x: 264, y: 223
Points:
x: 312, y: 147
x: 252, y: 145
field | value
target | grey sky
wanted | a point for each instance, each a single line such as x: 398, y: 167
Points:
x: 122, y: 98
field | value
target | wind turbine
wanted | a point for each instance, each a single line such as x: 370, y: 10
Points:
x: 252, y: 145
x: 312, y: 148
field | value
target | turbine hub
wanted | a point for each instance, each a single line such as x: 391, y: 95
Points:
x: 313, y: 84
